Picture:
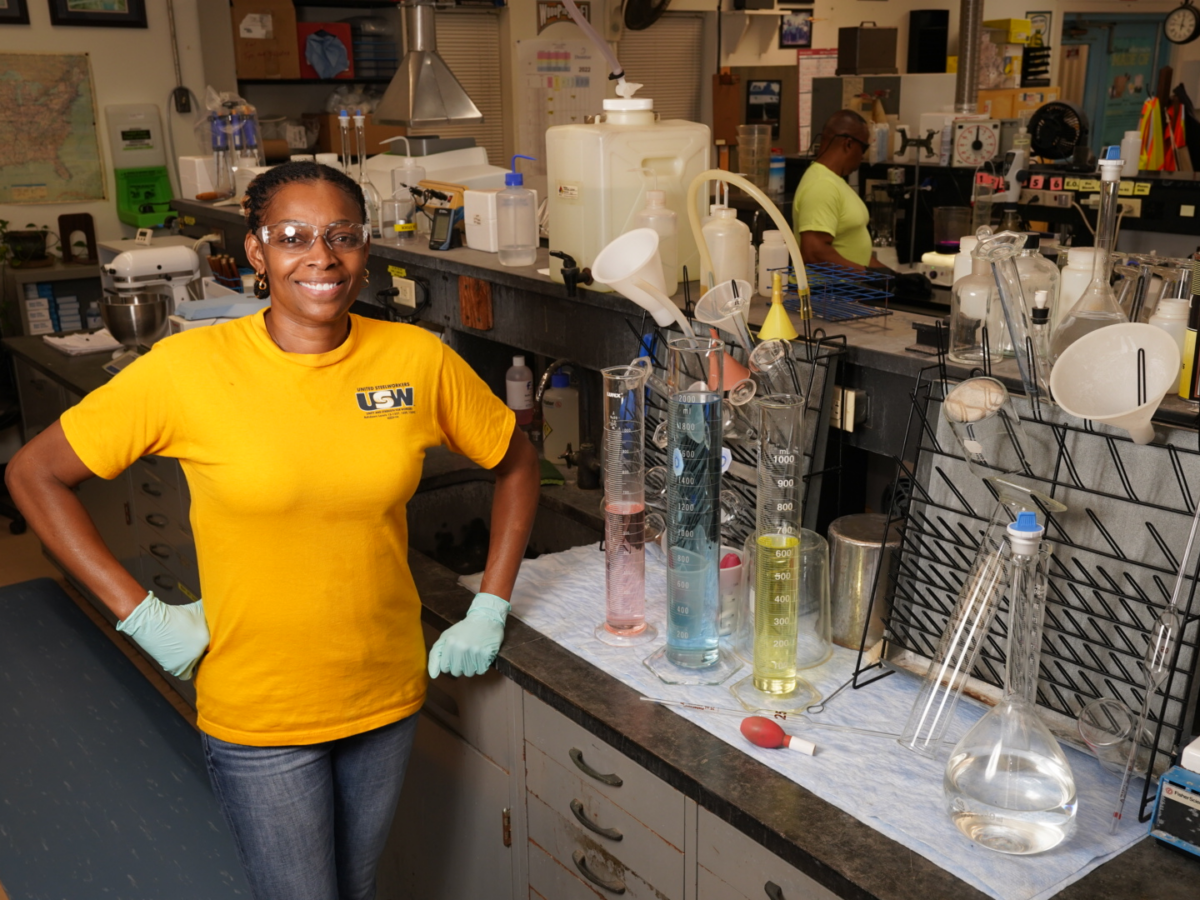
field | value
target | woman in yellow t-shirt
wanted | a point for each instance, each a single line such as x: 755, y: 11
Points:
x: 302, y: 432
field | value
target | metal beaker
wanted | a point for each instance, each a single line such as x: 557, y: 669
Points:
x: 857, y: 551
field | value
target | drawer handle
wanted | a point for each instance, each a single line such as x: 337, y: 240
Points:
x: 162, y: 551
x: 610, y: 780
x: 158, y: 520
x: 611, y: 833
x: 166, y: 582
x: 774, y: 891
x: 617, y: 887
x: 148, y: 488
x: 149, y: 460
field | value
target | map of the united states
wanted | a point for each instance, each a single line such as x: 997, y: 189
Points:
x: 48, y: 147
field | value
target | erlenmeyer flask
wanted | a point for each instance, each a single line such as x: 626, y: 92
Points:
x: 1098, y: 305
x: 1008, y: 785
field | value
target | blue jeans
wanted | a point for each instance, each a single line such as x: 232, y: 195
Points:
x: 310, y: 822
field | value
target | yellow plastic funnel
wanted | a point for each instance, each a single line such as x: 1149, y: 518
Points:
x: 778, y: 325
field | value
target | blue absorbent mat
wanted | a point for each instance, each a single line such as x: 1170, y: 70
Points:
x: 103, y: 790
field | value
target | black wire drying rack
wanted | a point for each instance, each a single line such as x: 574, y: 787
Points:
x: 1129, y: 508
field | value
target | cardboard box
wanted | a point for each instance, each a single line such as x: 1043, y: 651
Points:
x: 339, y: 30
x: 264, y: 39
x: 996, y: 104
x: 329, y: 140
x: 1010, y: 31
x: 1032, y: 98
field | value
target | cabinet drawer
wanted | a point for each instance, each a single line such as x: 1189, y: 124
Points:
x: 548, y: 880
x: 608, y: 771
x: 167, y: 585
x: 583, y: 860
x: 747, y: 866
x: 615, y: 831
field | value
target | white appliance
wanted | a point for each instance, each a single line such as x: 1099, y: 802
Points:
x: 468, y: 166
x: 166, y: 265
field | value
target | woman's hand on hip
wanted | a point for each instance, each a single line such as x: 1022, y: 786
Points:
x: 176, y: 636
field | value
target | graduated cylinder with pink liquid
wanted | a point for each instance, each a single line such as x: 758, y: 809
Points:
x: 624, y: 508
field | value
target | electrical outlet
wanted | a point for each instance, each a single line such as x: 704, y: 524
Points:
x: 1131, y: 207
x: 407, y: 295
x: 849, y: 408
x: 1060, y: 199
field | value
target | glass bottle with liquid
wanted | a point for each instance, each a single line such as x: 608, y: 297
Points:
x: 1098, y: 306
x: 973, y: 304
x: 1008, y: 785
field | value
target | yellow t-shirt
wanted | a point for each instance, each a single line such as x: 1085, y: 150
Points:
x: 824, y: 202
x: 300, y: 467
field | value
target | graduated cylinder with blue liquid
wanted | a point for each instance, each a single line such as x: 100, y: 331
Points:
x: 693, y: 540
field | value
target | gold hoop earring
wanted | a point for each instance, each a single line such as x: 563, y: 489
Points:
x: 262, y: 290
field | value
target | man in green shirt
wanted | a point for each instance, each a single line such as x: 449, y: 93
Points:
x: 829, y: 218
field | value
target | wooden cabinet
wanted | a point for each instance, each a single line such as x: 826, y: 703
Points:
x: 731, y: 866
x: 42, y: 398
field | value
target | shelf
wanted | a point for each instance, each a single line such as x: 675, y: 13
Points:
x: 370, y: 79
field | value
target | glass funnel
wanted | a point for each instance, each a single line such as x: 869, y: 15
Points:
x: 694, y: 424
x: 624, y: 508
x: 1098, y: 306
x: 1008, y: 785
x: 770, y: 364
x: 725, y: 306
x: 774, y: 683
x: 1000, y: 250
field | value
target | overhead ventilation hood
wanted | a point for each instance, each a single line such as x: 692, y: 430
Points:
x: 424, y: 92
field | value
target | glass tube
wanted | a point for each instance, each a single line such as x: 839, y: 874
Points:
x: 958, y: 648
x: 624, y: 508
x: 694, y: 422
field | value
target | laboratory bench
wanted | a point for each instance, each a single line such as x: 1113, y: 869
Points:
x: 547, y: 724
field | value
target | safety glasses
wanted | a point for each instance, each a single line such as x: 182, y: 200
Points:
x: 298, y: 237
x: 861, y: 143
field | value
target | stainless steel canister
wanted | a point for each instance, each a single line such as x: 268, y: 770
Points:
x: 856, y: 545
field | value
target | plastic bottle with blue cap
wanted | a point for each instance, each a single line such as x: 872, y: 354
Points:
x: 516, y: 219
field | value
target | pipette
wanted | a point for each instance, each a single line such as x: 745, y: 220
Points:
x: 783, y: 716
x: 1157, y: 666
x: 762, y: 732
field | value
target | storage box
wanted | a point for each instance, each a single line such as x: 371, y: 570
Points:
x: 264, y: 39
x: 329, y: 138
x: 479, y: 220
x: 996, y: 104
x: 1032, y: 98
x: 867, y: 51
x: 1010, y: 31
x: 339, y: 30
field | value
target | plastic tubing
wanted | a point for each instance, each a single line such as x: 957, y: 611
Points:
x: 618, y: 74
x: 771, y: 210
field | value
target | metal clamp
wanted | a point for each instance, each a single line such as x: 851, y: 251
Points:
x: 774, y: 891
x: 577, y: 758
x: 148, y: 488
x: 611, y: 833
x: 616, y: 887
x: 162, y: 551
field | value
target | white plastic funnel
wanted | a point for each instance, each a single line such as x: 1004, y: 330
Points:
x: 631, y: 266
x: 1096, y: 377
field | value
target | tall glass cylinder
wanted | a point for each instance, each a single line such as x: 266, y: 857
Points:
x: 624, y: 508
x: 694, y: 422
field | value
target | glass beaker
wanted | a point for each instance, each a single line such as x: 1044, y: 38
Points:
x: 1008, y: 785
x: 624, y: 508
x: 987, y: 427
x: 950, y: 223
x: 1098, y: 305
x: 694, y: 425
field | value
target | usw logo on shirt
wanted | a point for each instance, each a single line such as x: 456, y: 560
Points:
x: 386, y: 399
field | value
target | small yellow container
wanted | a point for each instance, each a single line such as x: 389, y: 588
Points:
x: 1014, y: 31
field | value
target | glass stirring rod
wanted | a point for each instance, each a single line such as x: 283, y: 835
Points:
x: 797, y: 716
x: 1156, y: 666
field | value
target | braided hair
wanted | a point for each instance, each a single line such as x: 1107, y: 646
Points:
x: 264, y: 186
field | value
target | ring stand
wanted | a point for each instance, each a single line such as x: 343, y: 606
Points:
x: 670, y: 673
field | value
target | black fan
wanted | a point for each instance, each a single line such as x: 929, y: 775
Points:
x: 641, y: 14
x: 1058, y: 131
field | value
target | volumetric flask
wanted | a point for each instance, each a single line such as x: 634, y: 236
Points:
x: 987, y: 427
x: 778, y: 558
x: 693, y: 542
x: 624, y: 508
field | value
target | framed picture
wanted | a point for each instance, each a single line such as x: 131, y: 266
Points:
x: 1040, y: 32
x: 14, y: 12
x: 99, y: 13
x: 762, y: 104
x: 795, y: 29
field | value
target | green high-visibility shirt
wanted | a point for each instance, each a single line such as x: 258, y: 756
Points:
x: 825, y: 202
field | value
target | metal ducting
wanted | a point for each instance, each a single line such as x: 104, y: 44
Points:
x: 424, y: 92
x: 970, y: 31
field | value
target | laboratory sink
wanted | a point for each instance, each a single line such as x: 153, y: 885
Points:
x: 449, y: 519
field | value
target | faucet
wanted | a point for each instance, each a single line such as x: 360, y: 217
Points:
x: 545, y: 379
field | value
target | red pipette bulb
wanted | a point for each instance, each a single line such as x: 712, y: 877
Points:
x: 763, y: 732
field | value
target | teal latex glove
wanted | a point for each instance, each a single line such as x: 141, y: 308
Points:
x: 469, y: 647
x: 176, y: 636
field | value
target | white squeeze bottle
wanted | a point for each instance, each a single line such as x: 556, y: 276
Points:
x: 772, y: 254
x: 728, y: 243
x: 656, y: 215
x: 518, y: 390
x: 516, y: 220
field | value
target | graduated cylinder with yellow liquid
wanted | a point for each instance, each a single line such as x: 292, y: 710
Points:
x: 778, y: 565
